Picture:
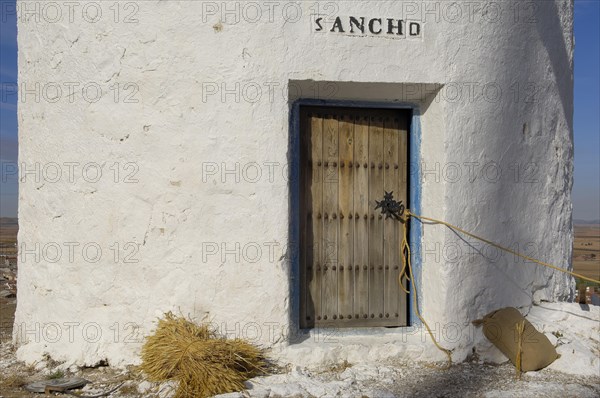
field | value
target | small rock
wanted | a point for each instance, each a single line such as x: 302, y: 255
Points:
x: 7, y: 294
x: 365, y: 372
x: 167, y: 389
x: 40, y: 366
x: 379, y: 394
x: 256, y: 390
x: 287, y: 390
x: 347, y: 374
x: 316, y: 390
x: 230, y: 395
x: 145, y: 386
x: 553, y: 339
x: 259, y: 393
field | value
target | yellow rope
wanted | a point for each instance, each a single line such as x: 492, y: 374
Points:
x: 402, y: 273
x: 405, y: 261
x: 520, y: 329
x: 409, y: 214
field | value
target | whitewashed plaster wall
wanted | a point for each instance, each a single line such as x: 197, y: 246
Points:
x: 502, y: 103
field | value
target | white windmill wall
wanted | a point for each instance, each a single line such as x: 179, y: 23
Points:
x: 180, y: 137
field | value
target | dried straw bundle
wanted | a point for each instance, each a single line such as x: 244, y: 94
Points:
x: 203, y: 363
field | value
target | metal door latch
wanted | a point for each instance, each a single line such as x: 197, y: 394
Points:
x: 390, y: 207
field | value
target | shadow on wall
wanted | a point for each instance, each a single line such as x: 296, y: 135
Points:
x: 550, y: 30
x: 418, y: 94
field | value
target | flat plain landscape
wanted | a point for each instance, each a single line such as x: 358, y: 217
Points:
x: 8, y: 267
x: 586, y: 251
x: 8, y: 237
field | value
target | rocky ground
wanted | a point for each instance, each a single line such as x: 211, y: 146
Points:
x: 8, y: 300
x: 574, y: 330
x: 8, y: 280
x: 377, y: 381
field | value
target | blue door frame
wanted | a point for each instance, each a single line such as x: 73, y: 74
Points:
x: 414, y: 187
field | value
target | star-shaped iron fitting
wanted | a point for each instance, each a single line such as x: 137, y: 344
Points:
x: 390, y: 207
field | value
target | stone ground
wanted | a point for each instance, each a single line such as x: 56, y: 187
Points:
x: 472, y: 379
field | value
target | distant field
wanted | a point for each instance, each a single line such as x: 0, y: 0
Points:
x: 586, y: 250
x: 8, y: 240
x: 8, y: 236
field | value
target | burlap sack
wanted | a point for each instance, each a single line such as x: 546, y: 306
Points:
x: 500, y: 327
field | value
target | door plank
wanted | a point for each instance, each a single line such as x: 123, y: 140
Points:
x: 376, y: 275
x: 330, y: 217
x: 315, y: 225
x: 391, y: 234
x: 346, y: 207
x: 361, y: 222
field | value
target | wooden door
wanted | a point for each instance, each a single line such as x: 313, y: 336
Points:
x: 350, y: 257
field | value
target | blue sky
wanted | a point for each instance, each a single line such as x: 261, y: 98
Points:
x: 586, y: 190
x: 8, y: 111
